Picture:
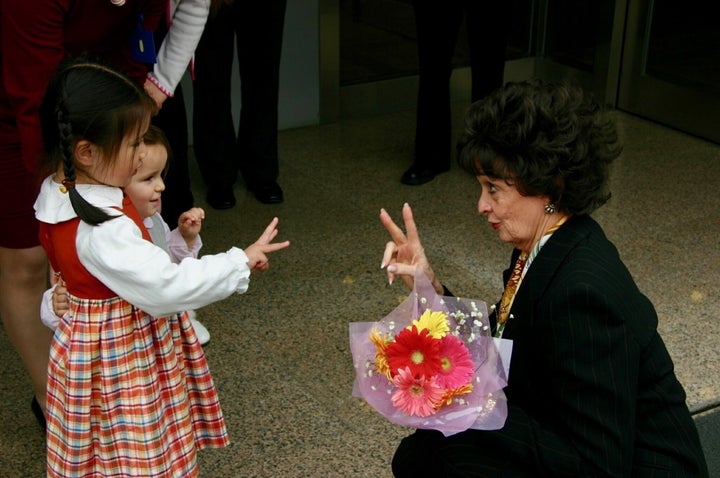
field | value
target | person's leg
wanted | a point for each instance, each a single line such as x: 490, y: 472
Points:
x: 437, y: 26
x: 23, y: 279
x: 213, y: 127
x: 177, y: 197
x: 488, y: 24
x: 429, y: 453
x: 259, y: 43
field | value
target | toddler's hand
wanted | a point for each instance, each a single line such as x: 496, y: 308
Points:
x: 257, y: 251
x: 59, y: 298
x: 190, y: 223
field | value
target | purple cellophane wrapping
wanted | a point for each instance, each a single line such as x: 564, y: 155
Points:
x: 485, y: 408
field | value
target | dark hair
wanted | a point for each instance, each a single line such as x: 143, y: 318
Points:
x: 544, y: 138
x: 91, y: 101
x: 156, y: 136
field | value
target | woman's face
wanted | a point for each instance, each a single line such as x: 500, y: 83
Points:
x: 519, y: 220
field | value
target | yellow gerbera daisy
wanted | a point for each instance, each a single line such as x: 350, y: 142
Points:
x: 381, y: 360
x: 435, y: 322
x: 450, y: 394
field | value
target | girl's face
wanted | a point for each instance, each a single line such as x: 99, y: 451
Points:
x: 519, y: 220
x: 147, y: 185
x: 130, y: 157
x: 118, y: 171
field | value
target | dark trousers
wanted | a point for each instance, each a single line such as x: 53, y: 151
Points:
x: 429, y: 453
x: 177, y: 197
x: 438, y: 24
x: 256, y: 29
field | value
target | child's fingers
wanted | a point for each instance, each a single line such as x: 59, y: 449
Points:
x: 270, y: 231
x: 275, y: 246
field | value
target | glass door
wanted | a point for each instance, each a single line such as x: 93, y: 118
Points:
x: 659, y: 59
x: 579, y: 42
x: 671, y: 67
x: 377, y: 54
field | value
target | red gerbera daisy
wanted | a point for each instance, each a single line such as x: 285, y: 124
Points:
x: 457, y: 368
x: 417, y: 351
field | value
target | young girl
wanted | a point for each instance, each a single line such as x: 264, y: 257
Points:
x: 129, y: 391
x: 144, y: 191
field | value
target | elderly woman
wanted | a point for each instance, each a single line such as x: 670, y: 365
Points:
x: 591, y: 389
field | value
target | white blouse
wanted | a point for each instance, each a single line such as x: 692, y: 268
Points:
x: 136, y: 269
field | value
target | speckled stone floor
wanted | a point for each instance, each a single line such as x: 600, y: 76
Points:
x: 279, y: 354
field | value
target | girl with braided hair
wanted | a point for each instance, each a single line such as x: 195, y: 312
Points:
x: 129, y: 390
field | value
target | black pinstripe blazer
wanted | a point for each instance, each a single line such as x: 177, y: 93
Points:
x: 591, y: 390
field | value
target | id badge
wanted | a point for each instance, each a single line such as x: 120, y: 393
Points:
x: 142, y: 43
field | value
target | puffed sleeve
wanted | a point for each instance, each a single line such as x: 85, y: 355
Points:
x: 177, y: 247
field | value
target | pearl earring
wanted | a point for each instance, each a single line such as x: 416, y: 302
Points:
x: 550, y: 208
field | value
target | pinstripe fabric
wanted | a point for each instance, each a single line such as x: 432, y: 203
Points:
x: 591, y: 390
x: 128, y: 394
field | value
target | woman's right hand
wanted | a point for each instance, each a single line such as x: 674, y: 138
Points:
x: 257, y: 251
x: 404, y: 254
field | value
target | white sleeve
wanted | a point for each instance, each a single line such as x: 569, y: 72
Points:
x: 144, y: 275
x: 47, y: 314
x: 177, y: 247
x: 179, y: 44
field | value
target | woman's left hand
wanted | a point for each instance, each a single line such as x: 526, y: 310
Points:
x: 404, y: 254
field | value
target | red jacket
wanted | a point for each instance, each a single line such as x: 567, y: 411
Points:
x: 35, y: 36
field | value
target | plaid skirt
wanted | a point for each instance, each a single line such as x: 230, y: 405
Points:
x: 128, y: 394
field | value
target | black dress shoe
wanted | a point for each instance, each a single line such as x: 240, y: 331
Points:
x: 221, y: 198
x: 39, y: 415
x: 416, y: 176
x: 268, y: 193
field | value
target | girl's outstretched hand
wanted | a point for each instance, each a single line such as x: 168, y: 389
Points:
x: 257, y: 251
x: 404, y: 253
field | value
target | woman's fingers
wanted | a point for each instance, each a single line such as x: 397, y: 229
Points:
x: 389, y: 254
x: 400, y: 269
x: 410, y: 227
x: 396, y: 233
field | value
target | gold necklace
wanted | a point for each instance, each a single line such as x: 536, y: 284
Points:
x: 515, y: 277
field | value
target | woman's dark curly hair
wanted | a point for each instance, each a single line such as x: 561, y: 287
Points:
x: 546, y: 139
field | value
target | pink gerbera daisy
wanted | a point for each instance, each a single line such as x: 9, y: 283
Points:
x: 456, y: 367
x: 415, y: 350
x: 415, y: 395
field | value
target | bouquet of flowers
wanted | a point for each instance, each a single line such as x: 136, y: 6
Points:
x: 431, y: 363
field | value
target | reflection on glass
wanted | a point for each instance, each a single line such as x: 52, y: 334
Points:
x: 572, y: 32
x: 377, y: 39
x: 684, y: 44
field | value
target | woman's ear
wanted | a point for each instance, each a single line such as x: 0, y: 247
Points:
x: 85, y: 153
